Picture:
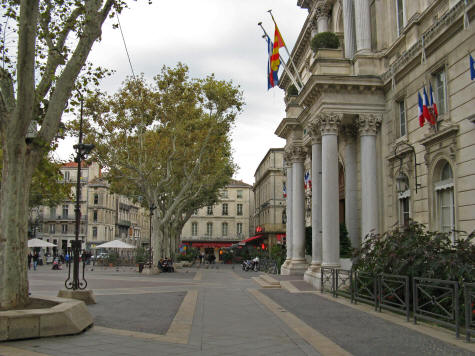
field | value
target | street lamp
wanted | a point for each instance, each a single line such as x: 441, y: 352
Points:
x: 82, y: 150
x: 152, y: 208
x: 402, y: 182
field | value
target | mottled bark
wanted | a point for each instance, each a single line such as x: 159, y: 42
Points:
x: 16, y: 180
x: 20, y: 158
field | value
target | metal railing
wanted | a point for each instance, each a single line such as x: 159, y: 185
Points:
x: 327, y: 279
x: 343, y: 284
x: 436, y: 300
x: 365, y: 288
x: 394, y: 293
x: 469, y: 301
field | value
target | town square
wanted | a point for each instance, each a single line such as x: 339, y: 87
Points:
x: 223, y: 177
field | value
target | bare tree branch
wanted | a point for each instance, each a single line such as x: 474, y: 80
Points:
x: 26, y: 64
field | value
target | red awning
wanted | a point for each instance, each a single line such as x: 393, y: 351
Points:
x: 280, y: 237
x: 243, y: 242
x: 211, y: 244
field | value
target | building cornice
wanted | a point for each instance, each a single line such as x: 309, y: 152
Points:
x: 286, y: 126
x: 320, y: 83
x: 439, y: 136
x: 428, y: 38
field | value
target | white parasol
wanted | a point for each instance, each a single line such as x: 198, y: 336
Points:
x: 115, y: 244
x: 39, y: 243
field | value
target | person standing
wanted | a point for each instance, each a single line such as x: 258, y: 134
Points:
x: 35, y: 260
x: 29, y: 260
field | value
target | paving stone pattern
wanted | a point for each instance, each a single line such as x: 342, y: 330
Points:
x: 155, y: 315
x: 358, y: 332
x: 150, y: 313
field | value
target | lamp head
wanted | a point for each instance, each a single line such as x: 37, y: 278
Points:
x: 402, y: 182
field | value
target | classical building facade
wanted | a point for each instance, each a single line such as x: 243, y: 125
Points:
x: 268, y: 215
x: 105, y: 216
x: 223, y: 224
x: 355, y: 122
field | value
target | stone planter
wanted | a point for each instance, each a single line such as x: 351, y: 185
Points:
x: 65, y: 317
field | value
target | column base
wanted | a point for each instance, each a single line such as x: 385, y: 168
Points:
x: 312, y: 276
x: 295, y: 267
x: 286, y: 263
x: 331, y: 265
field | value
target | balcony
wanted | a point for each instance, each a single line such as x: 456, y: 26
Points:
x: 65, y: 218
x: 125, y: 223
x: 211, y: 238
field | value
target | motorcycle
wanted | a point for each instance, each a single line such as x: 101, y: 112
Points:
x: 250, y: 265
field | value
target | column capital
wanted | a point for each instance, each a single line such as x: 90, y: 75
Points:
x: 296, y: 153
x: 287, y: 158
x: 313, y: 129
x: 329, y: 123
x: 368, y: 124
x: 322, y: 9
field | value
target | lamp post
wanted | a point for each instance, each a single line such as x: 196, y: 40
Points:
x: 82, y: 150
x: 152, y: 208
x: 402, y: 180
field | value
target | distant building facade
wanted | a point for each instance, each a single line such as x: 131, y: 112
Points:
x: 223, y: 224
x: 269, y: 216
x: 355, y: 124
x: 105, y: 216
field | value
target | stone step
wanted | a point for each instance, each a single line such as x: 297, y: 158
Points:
x: 270, y: 280
x: 263, y: 283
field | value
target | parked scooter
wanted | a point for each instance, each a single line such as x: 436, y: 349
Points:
x: 251, y: 265
x: 246, y: 265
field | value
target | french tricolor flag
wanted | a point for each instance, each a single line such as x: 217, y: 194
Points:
x: 433, y: 105
x: 285, y: 190
x: 420, y: 110
x: 425, y: 107
x: 307, y: 181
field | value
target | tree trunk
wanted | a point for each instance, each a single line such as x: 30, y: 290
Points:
x: 16, y: 181
x: 157, y: 238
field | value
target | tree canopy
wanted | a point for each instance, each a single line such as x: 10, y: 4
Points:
x: 166, y: 142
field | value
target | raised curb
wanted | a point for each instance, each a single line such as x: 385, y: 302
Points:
x: 263, y: 283
x: 68, y: 317
x: 149, y: 272
x: 270, y: 280
x: 87, y: 296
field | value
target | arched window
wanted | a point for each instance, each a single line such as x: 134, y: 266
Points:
x: 444, y: 198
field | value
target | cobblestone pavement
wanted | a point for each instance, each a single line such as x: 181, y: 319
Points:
x: 219, y: 310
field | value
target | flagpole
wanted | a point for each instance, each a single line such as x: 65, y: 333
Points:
x: 294, y: 81
x: 286, y: 49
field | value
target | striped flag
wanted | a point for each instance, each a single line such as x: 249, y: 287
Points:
x: 420, y: 110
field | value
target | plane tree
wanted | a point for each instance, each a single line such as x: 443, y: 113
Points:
x: 166, y: 143
x: 52, y: 40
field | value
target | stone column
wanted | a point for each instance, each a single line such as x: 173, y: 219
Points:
x: 349, y: 28
x: 314, y: 130
x: 351, y: 187
x: 329, y: 124
x: 322, y: 13
x: 288, y: 209
x: 368, y: 126
x: 298, y: 264
x: 362, y: 26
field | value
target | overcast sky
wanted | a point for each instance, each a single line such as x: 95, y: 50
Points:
x: 210, y: 36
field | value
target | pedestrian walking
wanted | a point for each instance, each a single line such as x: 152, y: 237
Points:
x: 29, y: 259
x: 201, y: 257
x: 35, y: 260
